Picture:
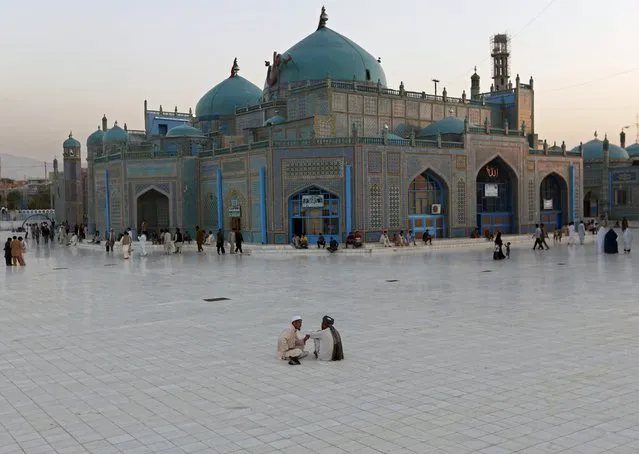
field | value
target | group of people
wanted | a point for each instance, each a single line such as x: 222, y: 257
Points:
x: 400, y: 239
x: 607, y: 239
x: 14, y: 250
x: 327, y: 340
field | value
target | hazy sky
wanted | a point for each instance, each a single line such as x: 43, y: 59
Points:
x: 65, y: 63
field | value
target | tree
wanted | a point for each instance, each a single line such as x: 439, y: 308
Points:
x: 40, y: 201
x: 13, y: 200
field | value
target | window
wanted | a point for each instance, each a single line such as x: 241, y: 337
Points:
x: 490, y: 204
x: 423, y: 193
x: 368, y: 74
x: 621, y: 196
x: 162, y: 129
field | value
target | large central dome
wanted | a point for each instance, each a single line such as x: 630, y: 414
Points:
x: 325, y: 53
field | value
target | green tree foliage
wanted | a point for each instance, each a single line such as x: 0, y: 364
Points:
x: 13, y: 200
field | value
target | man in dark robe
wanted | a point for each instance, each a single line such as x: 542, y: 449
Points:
x: 328, y: 342
x: 610, y: 242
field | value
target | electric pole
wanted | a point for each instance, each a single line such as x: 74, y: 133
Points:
x: 436, y: 81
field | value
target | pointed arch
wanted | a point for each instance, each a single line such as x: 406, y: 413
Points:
x: 153, y: 205
x: 553, y: 200
x: 497, y: 184
x: 314, y: 210
x: 428, y: 203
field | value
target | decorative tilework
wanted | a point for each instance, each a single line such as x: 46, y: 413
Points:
x: 384, y: 106
x: 531, y: 200
x: 238, y: 165
x: 412, y: 109
x: 209, y: 215
x: 485, y: 114
x: 460, y: 162
x: 394, y: 205
x: 393, y: 163
x: 358, y: 121
x: 425, y: 111
x: 324, y: 127
x: 311, y: 104
x: 399, y: 127
x: 370, y: 105
x: 474, y: 116
x: 399, y: 108
x: 313, y: 168
x: 355, y: 104
x: 331, y: 185
x: 291, y: 109
x: 578, y: 204
x: 461, y: 202
x: 370, y: 127
x: 342, y: 128
x: 339, y: 102
x: 384, y: 121
x: 530, y: 165
x: 141, y: 188
x: 438, y: 112
x: 374, y: 207
x: 374, y: 162
x: 301, y: 106
x: 462, y: 112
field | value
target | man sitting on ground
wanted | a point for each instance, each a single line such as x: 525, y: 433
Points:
x: 303, y: 242
x: 428, y: 239
x: 333, y: 245
x: 350, y: 239
x: 384, y: 240
x: 328, y: 342
x: 289, y: 346
x: 321, y: 242
x: 357, y: 240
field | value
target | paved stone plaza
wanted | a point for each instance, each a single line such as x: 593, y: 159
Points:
x: 462, y: 354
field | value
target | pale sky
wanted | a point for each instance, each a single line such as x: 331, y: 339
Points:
x: 65, y: 63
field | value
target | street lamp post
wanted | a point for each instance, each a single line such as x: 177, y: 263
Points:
x: 436, y: 81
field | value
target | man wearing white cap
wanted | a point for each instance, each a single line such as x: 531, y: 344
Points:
x: 289, y: 346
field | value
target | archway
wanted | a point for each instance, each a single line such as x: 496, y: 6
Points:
x: 41, y: 217
x: 553, y: 201
x: 153, y: 207
x: 496, y: 197
x: 591, y: 205
x: 313, y: 211
x: 427, y: 205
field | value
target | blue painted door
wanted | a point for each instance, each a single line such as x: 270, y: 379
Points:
x: 434, y: 224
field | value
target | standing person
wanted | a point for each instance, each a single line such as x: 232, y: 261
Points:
x: 167, y: 242
x: 544, y: 235
x: 232, y: 241
x: 199, y: 238
x: 109, y: 241
x: 142, y: 240
x: 179, y: 241
x: 582, y: 232
x: 537, y: 237
x: 126, y: 245
x: 7, y: 252
x: 16, y: 250
x: 627, y: 236
x: 601, y: 235
x: 219, y: 242
x: 145, y: 228
x: 239, y: 239
x: 498, y: 254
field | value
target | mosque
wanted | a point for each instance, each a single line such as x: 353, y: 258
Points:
x: 326, y: 146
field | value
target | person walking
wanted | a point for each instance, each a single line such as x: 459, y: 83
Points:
x: 239, y: 239
x: 219, y: 242
x: 199, y: 238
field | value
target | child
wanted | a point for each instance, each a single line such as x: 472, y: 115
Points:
x: 508, y: 250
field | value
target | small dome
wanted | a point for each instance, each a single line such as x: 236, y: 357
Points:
x: 71, y: 142
x: 185, y: 131
x: 326, y: 53
x: 391, y: 136
x: 633, y: 150
x: 225, y: 97
x: 449, y: 125
x: 593, y: 151
x: 115, y: 134
x: 275, y: 120
x: 95, y: 138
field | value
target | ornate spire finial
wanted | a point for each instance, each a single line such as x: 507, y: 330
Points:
x: 116, y: 123
x: 596, y: 135
x: 70, y: 134
x: 99, y: 128
x: 475, y: 69
x: 323, y: 18
x: 235, y: 68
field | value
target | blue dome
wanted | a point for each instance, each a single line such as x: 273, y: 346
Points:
x: 633, y: 150
x: 115, y: 134
x: 184, y: 131
x: 593, y: 151
x: 225, y: 97
x: 71, y: 142
x: 95, y: 138
x: 327, y: 53
x: 275, y: 120
x: 449, y: 125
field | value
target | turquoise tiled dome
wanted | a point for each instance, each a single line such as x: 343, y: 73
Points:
x: 225, y: 97
x: 184, y: 131
x: 71, y: 142
x: 115, y: 134
x: 275, y: 120
x: 327, y: 53
x: 95, y: 138
x: 633, y: 150
x: 449, y: 125
x: 593, y: 151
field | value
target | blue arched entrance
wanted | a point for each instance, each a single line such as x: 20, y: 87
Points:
x: 314, y: 211
x: 427, y: 205
x: 553, y: 195
x: 496, y: 197
x: 39, y: 217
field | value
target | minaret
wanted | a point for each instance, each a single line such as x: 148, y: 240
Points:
x: 501, y: 61
x: 72, y: 177
x: 605, y: 176
x: 474, y: 85
x: 622, y: 139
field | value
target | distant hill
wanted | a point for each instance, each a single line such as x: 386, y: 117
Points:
x: 17, y: 167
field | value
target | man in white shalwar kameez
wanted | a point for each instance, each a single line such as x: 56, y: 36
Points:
x: 582, y: 232
x: 328, y: 342
x: 168, y: 242
x: 289, y: 346
x: 142, y: 240
x: 601, y: 235
x: 627, y: 236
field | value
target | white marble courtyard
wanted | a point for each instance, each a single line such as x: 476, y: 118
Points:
x: 541, y: 354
